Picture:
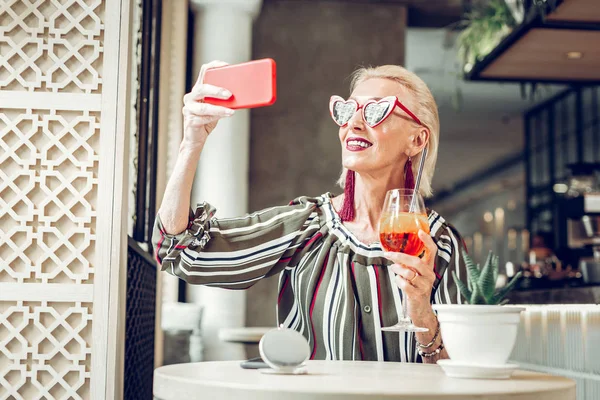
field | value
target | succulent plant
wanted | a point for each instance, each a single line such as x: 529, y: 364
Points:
x: 481, y: 282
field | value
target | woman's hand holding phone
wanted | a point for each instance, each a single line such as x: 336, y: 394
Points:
x: 200, y: 118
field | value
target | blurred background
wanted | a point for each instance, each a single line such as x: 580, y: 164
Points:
x: 519, y: 159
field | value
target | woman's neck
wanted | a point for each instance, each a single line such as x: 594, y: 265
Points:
x: 369, y: 195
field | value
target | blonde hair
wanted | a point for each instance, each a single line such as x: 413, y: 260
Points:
x: 425, y: 109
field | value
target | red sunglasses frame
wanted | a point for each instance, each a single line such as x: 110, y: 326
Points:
x: 390, y: 99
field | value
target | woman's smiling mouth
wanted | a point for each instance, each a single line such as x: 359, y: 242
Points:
x: 357, y: 144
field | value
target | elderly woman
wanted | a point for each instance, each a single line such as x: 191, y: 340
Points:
x: 336, y: 285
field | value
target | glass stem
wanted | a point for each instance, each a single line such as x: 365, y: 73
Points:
x: 404, y: 307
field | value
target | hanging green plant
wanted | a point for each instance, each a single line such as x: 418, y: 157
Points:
x: 483, y: 29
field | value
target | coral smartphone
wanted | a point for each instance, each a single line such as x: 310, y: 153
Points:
x: 252, y: 84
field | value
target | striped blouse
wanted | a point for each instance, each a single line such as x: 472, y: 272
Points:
x: 335, y: 290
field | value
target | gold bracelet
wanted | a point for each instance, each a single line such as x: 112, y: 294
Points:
x: 435, y: 336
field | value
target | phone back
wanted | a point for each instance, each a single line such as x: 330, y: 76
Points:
x: 252, y: 84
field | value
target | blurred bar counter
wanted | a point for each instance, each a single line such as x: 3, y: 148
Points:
x: 565, y: 294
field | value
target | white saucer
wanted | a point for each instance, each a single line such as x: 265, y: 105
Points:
x: 455, y: 369
x: 286, y: 371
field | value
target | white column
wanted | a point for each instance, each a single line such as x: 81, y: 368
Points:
x: 223, y: 31
x: 173, y: 59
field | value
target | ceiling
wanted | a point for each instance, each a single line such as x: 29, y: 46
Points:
x: 487, y: 128
x: 422, y: 13
x: 533, y: 50
x: 577, y: 10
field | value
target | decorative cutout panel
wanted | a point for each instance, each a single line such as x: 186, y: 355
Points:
x: 45, y: 350
x: 48, y: 192
x: 53, y: 99
x: 51, y: 45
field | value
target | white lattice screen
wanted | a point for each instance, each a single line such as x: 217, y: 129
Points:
x: 58, y: 99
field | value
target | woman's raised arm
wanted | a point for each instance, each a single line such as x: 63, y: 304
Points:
x: 199, y: 119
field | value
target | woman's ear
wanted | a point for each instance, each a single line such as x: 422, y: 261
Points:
x: 419, y: 141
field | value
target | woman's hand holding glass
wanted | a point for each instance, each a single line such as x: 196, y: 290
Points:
x: 415, y: 276
x: 404, y: 235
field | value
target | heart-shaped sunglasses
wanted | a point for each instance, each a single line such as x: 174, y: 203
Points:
x: 374, y: 112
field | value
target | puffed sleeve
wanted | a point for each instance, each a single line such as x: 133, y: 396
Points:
x: 234, y: 253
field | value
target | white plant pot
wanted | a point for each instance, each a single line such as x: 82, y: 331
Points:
x: 478, y: 334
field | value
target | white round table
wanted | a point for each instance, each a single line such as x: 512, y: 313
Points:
x: 349, y: 380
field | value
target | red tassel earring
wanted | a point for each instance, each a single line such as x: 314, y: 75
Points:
x: 347, y: 211
x: 409, y: 178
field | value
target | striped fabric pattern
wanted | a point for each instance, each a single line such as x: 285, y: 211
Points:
x: 335, y: 290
